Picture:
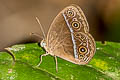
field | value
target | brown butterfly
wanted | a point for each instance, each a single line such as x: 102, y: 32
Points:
x: 69, y: 37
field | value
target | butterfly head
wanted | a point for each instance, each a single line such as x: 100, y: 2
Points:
x: 43, y: 43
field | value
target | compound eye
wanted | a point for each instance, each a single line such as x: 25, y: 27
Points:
x: 43, y: 44
x: 82, y: 50
x: 75, y: 24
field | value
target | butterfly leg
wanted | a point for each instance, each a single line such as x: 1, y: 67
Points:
x: 56, y: 64
x: 41, y: 58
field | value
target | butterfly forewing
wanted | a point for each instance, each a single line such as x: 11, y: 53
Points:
x: 68, y: 36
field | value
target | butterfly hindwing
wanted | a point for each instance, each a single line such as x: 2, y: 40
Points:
x: 85, y: 46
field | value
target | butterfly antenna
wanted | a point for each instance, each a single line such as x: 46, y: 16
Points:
x: 41, y: 27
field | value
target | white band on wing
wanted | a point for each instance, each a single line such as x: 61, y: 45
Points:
x: 73, y: 40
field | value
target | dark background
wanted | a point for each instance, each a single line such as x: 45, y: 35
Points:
x: 17, y: 19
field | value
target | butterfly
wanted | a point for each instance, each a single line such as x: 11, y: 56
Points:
x: 69, y: 38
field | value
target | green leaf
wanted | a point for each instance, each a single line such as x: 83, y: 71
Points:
x: 105, y: 65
